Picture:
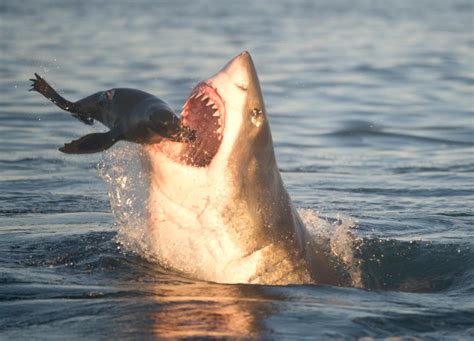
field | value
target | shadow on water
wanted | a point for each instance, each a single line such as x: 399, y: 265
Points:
x: 411, y: 266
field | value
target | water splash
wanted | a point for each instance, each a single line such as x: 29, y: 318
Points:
x: 121, y: 168
x: 334, y: 236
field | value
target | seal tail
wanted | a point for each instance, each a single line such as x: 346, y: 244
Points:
x: 40, y: 85
x: 91, y: 143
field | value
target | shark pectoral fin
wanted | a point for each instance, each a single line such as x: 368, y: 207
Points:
x: 91, y: 143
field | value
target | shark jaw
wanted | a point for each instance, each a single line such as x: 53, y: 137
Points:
x: 218, y: 210
x: 217, y: 109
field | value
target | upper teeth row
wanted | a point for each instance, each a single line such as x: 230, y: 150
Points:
x: 209, y: 103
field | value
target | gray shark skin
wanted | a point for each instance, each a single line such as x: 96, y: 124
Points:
x: 217, y: 207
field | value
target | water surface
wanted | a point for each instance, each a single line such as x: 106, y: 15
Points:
x: 371, y: 110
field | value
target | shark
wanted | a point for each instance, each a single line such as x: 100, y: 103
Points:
x: 217, y: 207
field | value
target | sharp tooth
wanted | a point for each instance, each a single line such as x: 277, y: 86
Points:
x: 216, y: 114
x: 204, y: 98
x: 210, y: 102
x: 219, y: 130
x: 214, y: 107
x: 198, y: 95
x: 219, y: 137
x: 193, y: 95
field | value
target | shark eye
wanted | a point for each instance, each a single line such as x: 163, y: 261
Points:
x: 257, y: 117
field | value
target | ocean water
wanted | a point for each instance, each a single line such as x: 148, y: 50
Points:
x: 371, y: 106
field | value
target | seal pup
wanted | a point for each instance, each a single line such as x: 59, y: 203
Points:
x: 217, y: 207
x: 130, y: 114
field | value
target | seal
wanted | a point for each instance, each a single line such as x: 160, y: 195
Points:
x: 130, y: 114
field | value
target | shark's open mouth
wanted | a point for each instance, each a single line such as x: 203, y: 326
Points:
x: 203, y: 112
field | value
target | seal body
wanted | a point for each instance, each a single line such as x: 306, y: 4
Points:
x: 130, y: 114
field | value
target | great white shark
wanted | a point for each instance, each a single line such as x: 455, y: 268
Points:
x: 218, y: 209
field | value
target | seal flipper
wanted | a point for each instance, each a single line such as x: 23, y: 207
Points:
x: 40, y: 85
x: 91, y: 143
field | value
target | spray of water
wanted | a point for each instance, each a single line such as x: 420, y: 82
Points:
x: 127, y: 185
x: 334, y: 236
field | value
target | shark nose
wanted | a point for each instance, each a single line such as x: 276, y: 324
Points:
x: 244, y: 58
x: 241, y: 70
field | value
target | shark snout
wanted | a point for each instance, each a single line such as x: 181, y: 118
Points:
x: 241, y: 70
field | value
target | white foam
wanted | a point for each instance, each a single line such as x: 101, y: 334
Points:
x: 334, y: 235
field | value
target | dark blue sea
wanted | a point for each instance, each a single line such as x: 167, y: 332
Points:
x: 371, y: 106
